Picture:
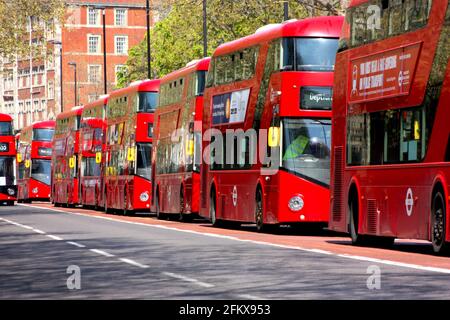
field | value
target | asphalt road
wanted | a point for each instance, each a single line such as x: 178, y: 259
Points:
x: 121, y: 259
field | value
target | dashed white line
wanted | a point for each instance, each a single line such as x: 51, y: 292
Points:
x: 134, y: 263
x: 233, y: 238
x: 54, y: 237
x: 249, y: 297
x: 101, y: 252
x: 187, y: 279
x: 76, y: 244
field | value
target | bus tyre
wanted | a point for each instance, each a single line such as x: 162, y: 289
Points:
x: 159, y: 214
x: 10, y: 203
x: 125, y: 203
x: 212, y: 210
x: 259, y: 215
x: 107, y: 210
x: 438, y: 224
x: 357, y: 239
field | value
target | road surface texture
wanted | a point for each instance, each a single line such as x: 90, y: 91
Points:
x: 139, y: 257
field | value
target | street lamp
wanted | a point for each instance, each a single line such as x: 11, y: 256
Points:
x: 205, y: 30
x: 149, y: 63
x: 59, y: 43
x: 74, y: 65
x: 286, y: 10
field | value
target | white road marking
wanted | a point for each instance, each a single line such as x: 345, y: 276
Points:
x: 249, y: 297
x: 134, y: 263
x: 54, y: 237
x: 187, y: 279
x: 103, y: 253
x: 76, y: 244
x: 233, y: 238
x: 38, y: 231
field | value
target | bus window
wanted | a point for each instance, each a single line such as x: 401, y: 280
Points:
x: 147, y: 101
x: 43, y: 134
x: 6, y: 129
x: 144, y: 163
x: 7, y: 171
x: 41, y: 170
x: 316, y: 54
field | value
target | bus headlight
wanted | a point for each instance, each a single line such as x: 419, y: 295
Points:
x: 35, y: 190
x: 296, y: 203
x: 10, y: 191
x: 144, y: 196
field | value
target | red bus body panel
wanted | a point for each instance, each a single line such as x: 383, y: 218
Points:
x: 184, y: 183
x: 10, y: 142
x: 123, y: 191
x: 236, y: 189
x: 384, y: 204
x: 30, y: 189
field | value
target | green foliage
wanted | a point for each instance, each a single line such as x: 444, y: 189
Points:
x: 15, y: 18
x: 178, y: 38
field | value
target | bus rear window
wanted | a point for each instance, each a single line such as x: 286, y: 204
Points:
x: 148, y: 101
x: 5, y: 129
x: 43, y: 134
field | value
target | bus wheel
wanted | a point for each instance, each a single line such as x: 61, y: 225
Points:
x: 259, y: 214
x: 438, y: 224
x: 107, y: 210
x: 212, y: 209
x: 125, y: 204
x: 10, y: 203
x: 159, y: 214
x: 357, y: 239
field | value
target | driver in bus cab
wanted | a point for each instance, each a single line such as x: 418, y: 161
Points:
x: 304, y: 145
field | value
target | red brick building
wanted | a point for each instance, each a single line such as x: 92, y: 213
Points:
x: 31, y: 88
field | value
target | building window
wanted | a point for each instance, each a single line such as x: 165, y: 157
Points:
x: 119, y: 69
x: 121, y: 44
x: 43, y: 104
x: 93, y: 16
x: 94, y: 73
x: 92, y: 97
x: 93, y: 44
x: 120, y: 17
x: 51, y: 90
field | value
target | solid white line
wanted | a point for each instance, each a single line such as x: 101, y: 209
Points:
x: 187, y: 279
x: 38, y: 231
x: 249, y: 297
x: 103, y: 253
x: 318, y: 251
x: 54, y: 237
x: 134, y: 263
x: 76, y: 244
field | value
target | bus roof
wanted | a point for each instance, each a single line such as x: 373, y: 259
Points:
x: 103, y: 100
x: 355, y: 3
x: 48, y: 124
x: 327, y: 27
x: 139, y: 86
x: 76, y: 111
x: 5, y: 117
x: 196, y: 65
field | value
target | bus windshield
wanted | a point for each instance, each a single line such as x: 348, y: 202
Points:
x: 144, y: 163
x: 306, y: 148
x: 7, y: 171
x: 43, y: 134
x: 6, y: 129
x: 309, y: 54
x: 148, y: 101
x: 41, y: 170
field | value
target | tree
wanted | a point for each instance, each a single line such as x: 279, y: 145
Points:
x: 177, y: 39
x: 15, y: 17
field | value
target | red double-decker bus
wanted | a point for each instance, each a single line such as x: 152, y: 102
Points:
x: 65, y: 170
x: 271, y: 89
x: 34, y: 162
x: 8, y: 181
x: 92, y: 146
x: 391, y: 148
x: 129, y: 118
x: 177, y: 145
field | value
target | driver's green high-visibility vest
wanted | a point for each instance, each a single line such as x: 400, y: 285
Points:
x: 296, y: 148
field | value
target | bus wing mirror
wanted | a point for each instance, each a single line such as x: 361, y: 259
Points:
x: 27, y: 164
x: 131, y: 152
x: 72, y: 162
x: 98, y: 157
x: 274, y: 137
x: 19, y: 158
x: 190, y: 147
